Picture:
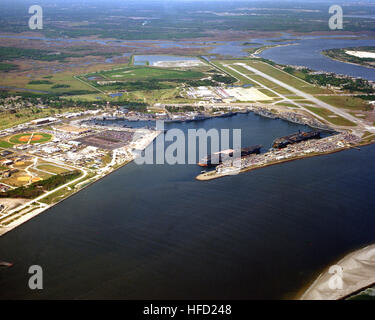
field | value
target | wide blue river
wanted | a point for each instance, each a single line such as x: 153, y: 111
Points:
x: 152, y: 231
x: 307, y: 52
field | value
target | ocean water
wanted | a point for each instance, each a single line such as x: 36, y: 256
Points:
x: 154, y: 232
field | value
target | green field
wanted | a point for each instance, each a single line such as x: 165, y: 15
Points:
x: 331, y: 117
x: 60, y: 83
x: 286, y: 77
x: 346, y: 102
x: 9, y: 119
x: 5, y: 144
x: 255, y: 77
x: 40, y: 174
x: 136, y: 73
x: 242, y: 80
x: 52, y: 168
x: 23, y: 138
x: 285, y: 104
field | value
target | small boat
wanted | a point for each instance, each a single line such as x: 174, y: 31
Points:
x: 5, y: 264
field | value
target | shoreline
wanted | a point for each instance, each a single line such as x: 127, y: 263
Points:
x: 202, y: 176
x: 38, y: 211
x: 207, y: 176
x: 28, y: 216
x: 343, y: 61
x: 358, y: 274
x: 211, y: 175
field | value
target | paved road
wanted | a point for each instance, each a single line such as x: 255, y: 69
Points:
x: 46, y: 194
x: 307, y: 96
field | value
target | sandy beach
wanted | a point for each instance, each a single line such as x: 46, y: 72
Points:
x: 354, y: 272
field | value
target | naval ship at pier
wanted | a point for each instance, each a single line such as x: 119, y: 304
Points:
x: 218, y: 157
x: 282, y: 142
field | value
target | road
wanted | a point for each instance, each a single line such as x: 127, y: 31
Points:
x: 46, y: 194
x: 307, y: 96
x: 276, y: 93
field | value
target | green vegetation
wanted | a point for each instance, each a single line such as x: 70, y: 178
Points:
x: 5, y: 144
x: 11, y: 53
x: 367, y: 137
x: 340, y: 54
x: 305, y: 80
x: 52, y: 168
x: 136, y: 85
x: 180, y: 109
x: 143, y: 78
x: 201, y: 83
x: 325, y: 79
x: 56, y: 196
x: 40, y: 82
x: 38, y: 188
x: 347, y: 102
x: 14, y: 117
x: 182, y: 19
x: 58, y: 86
x: 367, y: 97
x: 42, y: 137
x: 5, y: 67
x: 330, y: 116
x: 152, y: 84
x: 286, y: 77
x: 224, y: 79
x: 146, y: 73
x: 352, y: 85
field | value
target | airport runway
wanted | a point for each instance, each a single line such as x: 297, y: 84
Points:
x: 306, y: 96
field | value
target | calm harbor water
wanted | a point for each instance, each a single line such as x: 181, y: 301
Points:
x: 153, y: 231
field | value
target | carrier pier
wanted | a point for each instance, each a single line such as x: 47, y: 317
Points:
x: 218, y: 157
x: 300, y: 136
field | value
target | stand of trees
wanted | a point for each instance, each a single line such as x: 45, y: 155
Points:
x: 38, y: 188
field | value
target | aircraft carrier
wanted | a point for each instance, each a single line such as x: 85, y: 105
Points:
x: 295, y: 138
x: 218, y: 157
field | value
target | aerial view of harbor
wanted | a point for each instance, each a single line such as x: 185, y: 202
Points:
x: 173, y: 150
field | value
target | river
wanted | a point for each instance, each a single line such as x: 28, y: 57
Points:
x: 307, y: 52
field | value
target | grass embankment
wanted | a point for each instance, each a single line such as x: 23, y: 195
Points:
x: 56, y: 196
x: 67, y: 191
